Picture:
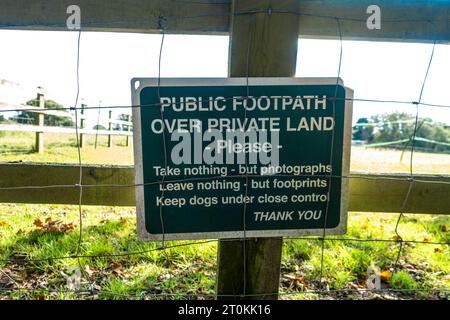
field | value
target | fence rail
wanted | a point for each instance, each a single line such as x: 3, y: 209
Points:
x: 39, y: 128
x: 16, y: 107
x: 415, y: 21
x: 115, y: 186
x: 31, y: 128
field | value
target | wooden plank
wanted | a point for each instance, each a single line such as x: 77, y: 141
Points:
x: 416, y: 21
x: 13, y: 175
x: 409, y: 21
x: 386, y: 193
x: 17, y: 108
x: 368, y: 192
x: 30, y: 128
x: 204, y: 16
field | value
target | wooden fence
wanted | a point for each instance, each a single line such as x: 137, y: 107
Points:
x: 114, y: 186
x: 39, y: 127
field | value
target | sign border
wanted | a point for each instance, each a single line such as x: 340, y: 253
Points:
x: 137, y: 84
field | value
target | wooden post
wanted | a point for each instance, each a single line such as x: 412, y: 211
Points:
x: 82, y: 124
x: 129, y: 130
x: 40, y: 122
x: 110, y: 142
x: 263, y: 44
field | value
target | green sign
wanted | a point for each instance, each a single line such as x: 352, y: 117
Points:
x: 234, y: 158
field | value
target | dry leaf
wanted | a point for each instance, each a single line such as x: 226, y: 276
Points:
x: 3, y: 224
x: 38, y: 223
x: 385, y: 275
x: 438, y: 250
x: 298, y: 282
x: 52, y: 226
x: 117, y: 268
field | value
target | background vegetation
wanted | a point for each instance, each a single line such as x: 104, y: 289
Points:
x: 397, y: 127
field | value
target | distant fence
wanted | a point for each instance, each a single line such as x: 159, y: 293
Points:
x: 39, y: 127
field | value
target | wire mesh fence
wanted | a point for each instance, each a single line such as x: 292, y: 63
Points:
x: 88, y: 288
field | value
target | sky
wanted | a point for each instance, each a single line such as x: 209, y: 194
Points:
x: 108, y: 62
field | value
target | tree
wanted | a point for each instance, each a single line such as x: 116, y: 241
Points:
x: 99, y: 127
x: 397, y: 126
x: 441, y: 134
x: 393, y: 126
x: 25, y: 117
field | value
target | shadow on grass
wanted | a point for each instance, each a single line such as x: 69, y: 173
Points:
x: 111, y: 241
x: 39, y: 245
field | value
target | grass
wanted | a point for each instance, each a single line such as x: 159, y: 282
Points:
x: 190, y: 271
x: 392, y: 161
x: 404, y: 281
x: 62, y: 148
x: 105, y: 231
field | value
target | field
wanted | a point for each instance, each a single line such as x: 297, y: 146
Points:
x: 43, y: 231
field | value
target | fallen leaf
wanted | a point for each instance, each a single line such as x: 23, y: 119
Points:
x: 3, y: 224
x: 385, y: 275
x: 117, y: 268
x: 298, y: 282
x: 438, y: 250
x: 52, y: 226
x: 361, y: 284
x: 38, y: 223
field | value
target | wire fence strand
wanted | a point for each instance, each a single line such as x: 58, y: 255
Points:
x: 164, y: 24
